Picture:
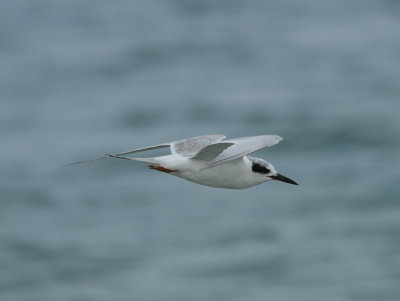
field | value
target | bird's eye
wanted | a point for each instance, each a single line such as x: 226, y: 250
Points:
x: 260, y: 169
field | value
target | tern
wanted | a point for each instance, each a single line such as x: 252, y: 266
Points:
x: 212, y: 161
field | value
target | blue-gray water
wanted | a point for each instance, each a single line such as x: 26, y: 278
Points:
x: 82, y: 78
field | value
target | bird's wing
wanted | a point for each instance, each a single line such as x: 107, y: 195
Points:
x: 239, y: 147
x: 212, y: 151
x: 191, y: 146
x: 186, y: 147
x: 164, y: 145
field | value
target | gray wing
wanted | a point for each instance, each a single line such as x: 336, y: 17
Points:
x: 241, y: 147
x: 185, y: 147
x: 190, y: 147
x: 212, y: 151
x: 164, y: 145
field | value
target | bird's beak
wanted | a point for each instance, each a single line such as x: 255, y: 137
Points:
x: 279, y: 177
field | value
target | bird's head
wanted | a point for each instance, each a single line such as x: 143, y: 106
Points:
x: 262, y: 168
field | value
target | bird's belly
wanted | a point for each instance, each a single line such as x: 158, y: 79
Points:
x: 232, y: 175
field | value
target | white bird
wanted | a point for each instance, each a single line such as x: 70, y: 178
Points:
x: 212, y: 161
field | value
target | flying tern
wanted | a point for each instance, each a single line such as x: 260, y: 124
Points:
x: 212, y: 161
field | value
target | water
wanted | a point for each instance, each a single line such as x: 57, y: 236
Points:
x: 80, y: 79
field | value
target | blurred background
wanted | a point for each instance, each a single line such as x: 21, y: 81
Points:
x: 82, y: 78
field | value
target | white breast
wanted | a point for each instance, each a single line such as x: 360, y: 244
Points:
x: 235, y: 174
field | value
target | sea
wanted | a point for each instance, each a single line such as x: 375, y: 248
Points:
x: 80, y: 79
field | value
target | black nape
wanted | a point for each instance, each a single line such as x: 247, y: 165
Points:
x: 260, y: 169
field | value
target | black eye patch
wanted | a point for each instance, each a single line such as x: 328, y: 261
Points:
x: 259, y: 168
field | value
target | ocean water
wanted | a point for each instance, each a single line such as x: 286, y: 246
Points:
x: 82, y: 78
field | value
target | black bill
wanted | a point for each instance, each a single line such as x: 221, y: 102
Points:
x: 279, y: 177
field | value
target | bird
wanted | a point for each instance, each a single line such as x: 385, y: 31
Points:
x: 211, y: 160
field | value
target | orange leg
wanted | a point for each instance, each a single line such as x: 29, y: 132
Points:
x: 163, y: 169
